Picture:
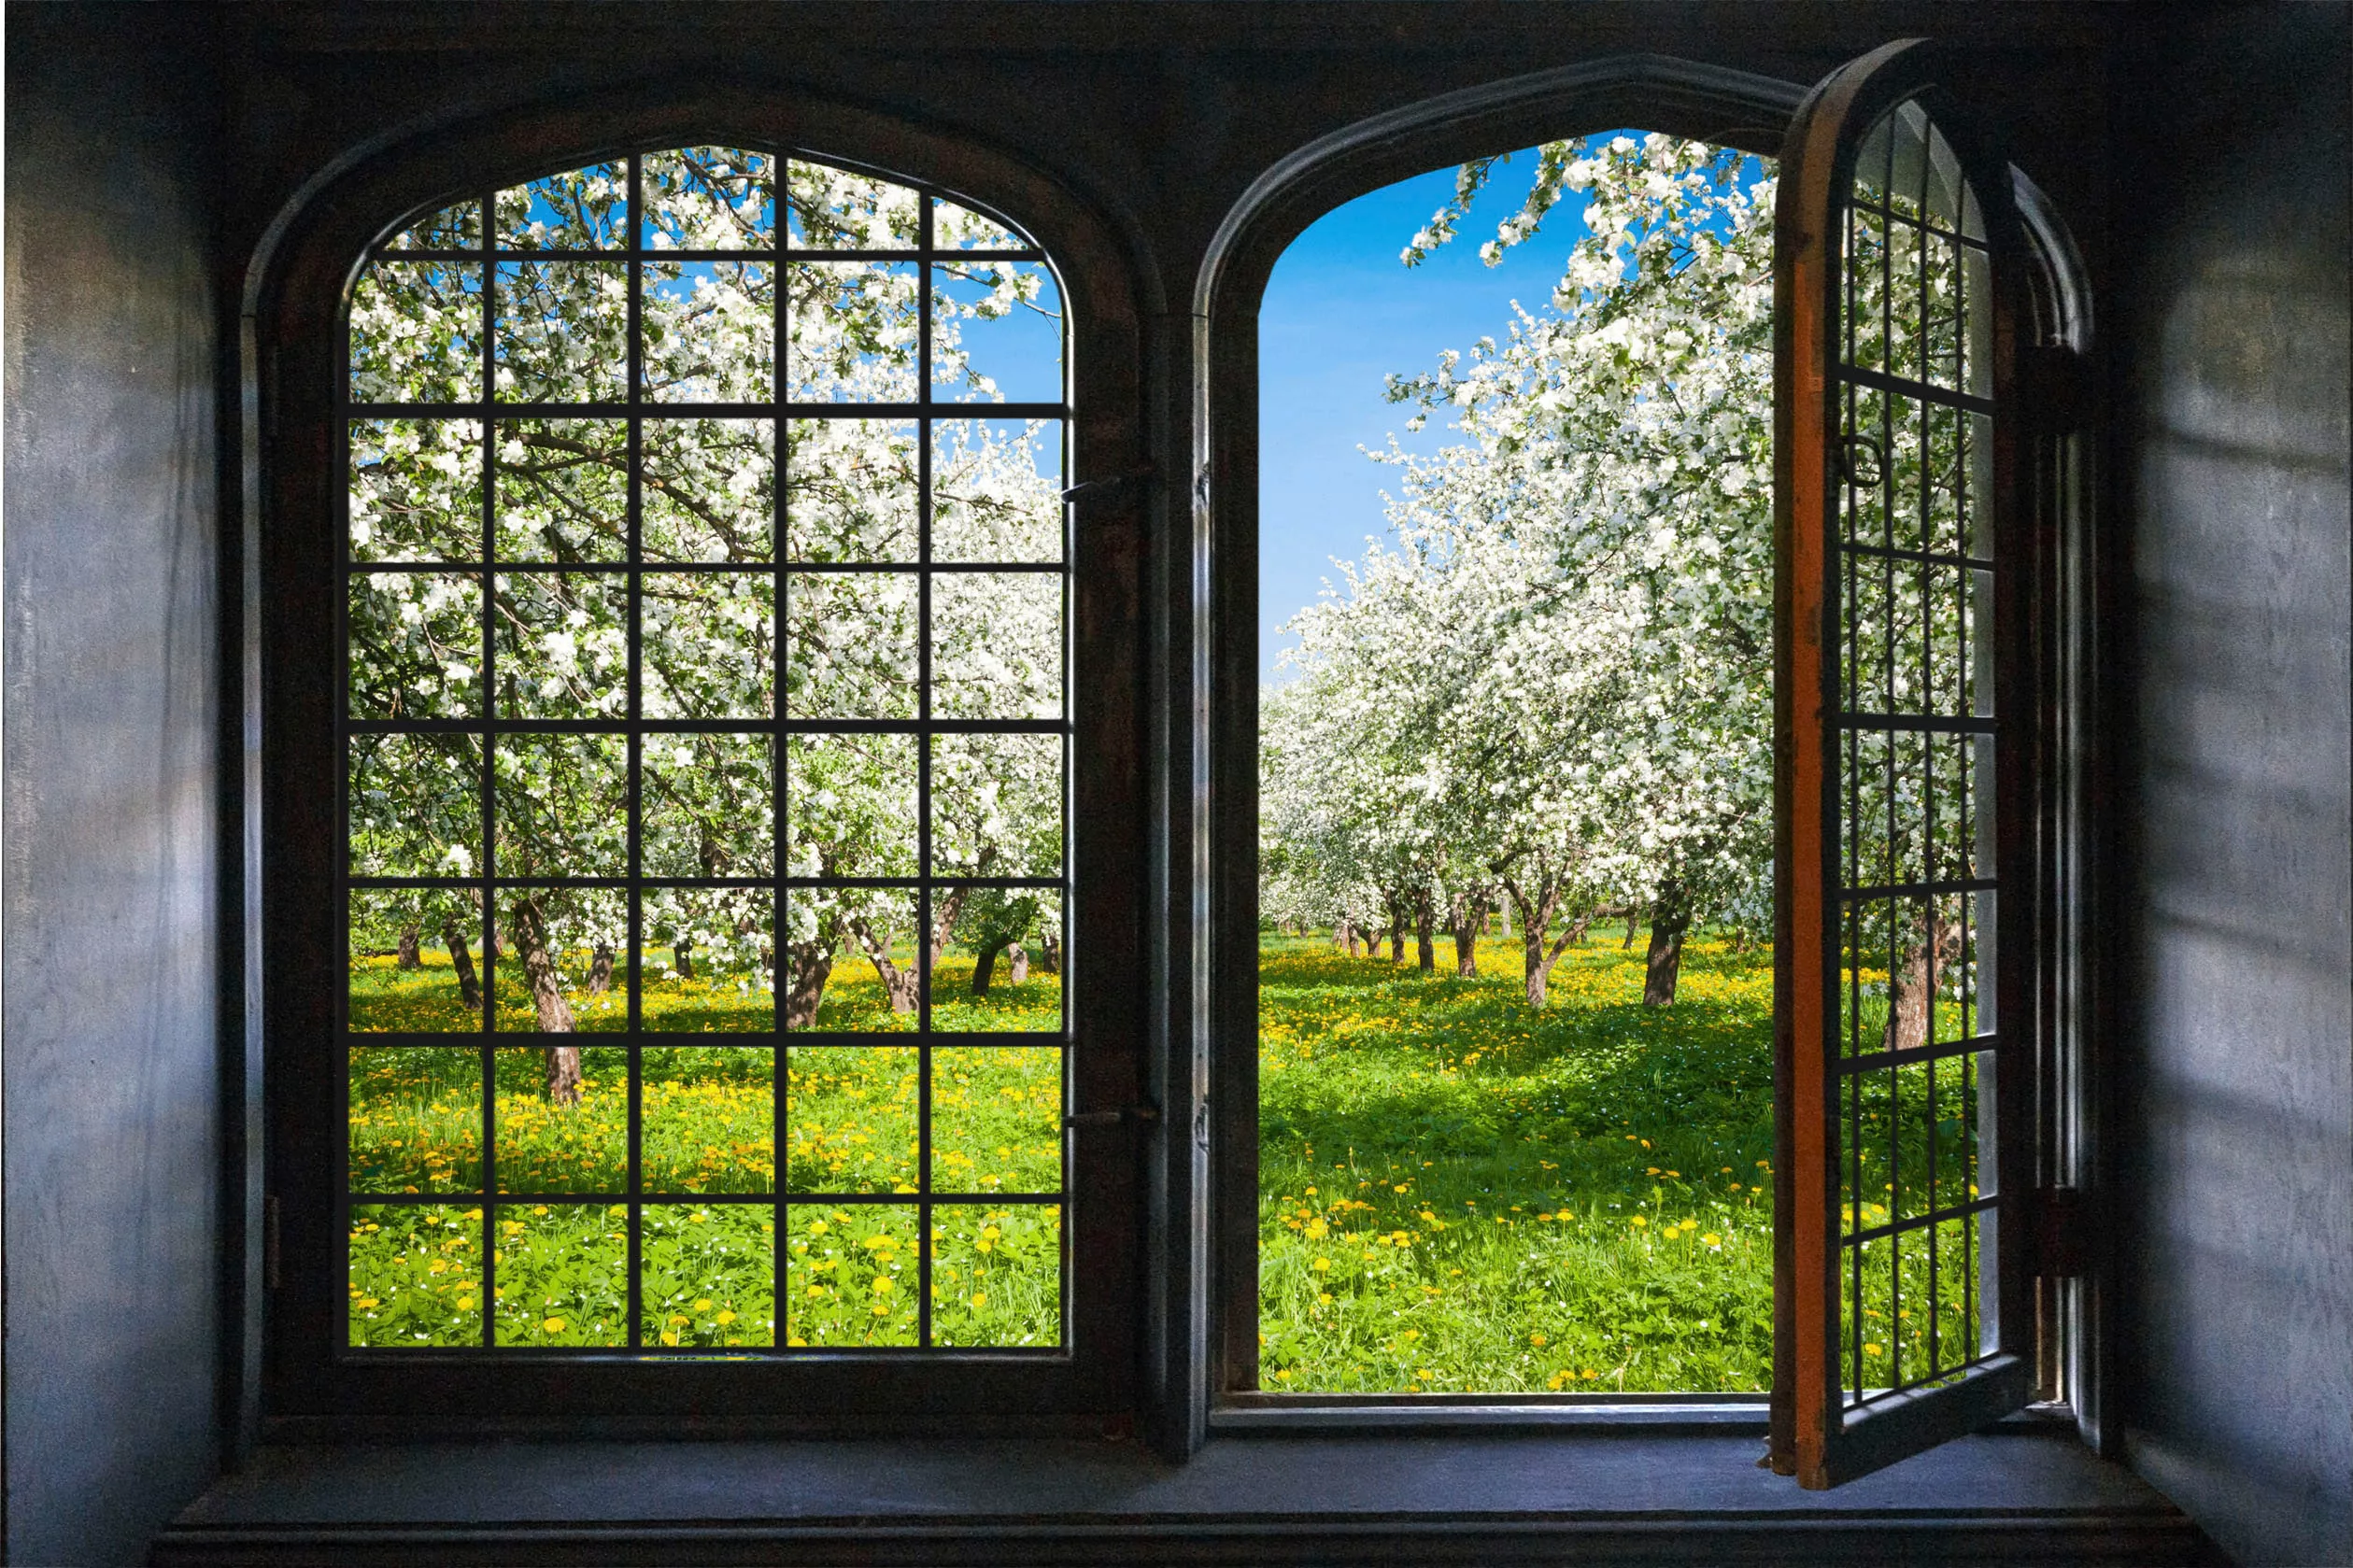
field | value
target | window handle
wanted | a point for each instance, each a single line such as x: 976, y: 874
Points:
x: 1112, y: 1118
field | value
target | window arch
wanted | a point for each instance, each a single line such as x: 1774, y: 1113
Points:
x: 701, y: 583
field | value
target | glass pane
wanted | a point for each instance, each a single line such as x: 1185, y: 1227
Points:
x: 997, y: 1274
x: 709, y: 648
x: 850, y: 805
x: 416, y: 1119
x: 562, y: 332
x: 709, y: 488
x: 996, y: 332
x: 709, y: 1272
x: 705, y: 966
x: 997, y: 645
x: 453, y: 228
x: 997, y: 490
x: 956, y: 228
x: 563, y: 1274
x: 412, y: 951
x: 416, y: 1275
x: 416, y: 489
x: 834, y: 209
x: 415, y: 646
x: 851, y: 1275
x: 562, y: 804
x: 850, y: 960
x: 417, y: 332
x: 996, y: 1119
x: 709, y: 806
x: 563, y: 645
x: 580, y: 209
x: 709, y: 1118
x: 415, y: 805
x: 851, y: 652
x: 579, y: 932
x: 854, y: 331
x: 1000, y: 971
x: 997, y: 805
x: 709, y: 198
x: 710, y: 331
x: 546, y: 1144
x: 851, y: 490
x: 850, y: 1119
x: 563, y: 490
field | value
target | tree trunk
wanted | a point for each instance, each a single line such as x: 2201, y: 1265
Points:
x: 409, y: 960
x: 1424, y: 934
x: 1912, y: 989
x: 984, y: 967
x: 461, y: 960
x: 682, y: 960
x: 1634, y: 923
x: 1466, y: 914
x: 1667, y: 921
x: 898, y: 984
x: 807, y: 967
x: 1536, y: 917
x: 1348, y: 937
x: 600, y: 970
x: 1050, y: 955
x: 1018, y: 957
x: 547, y: 998
x: 944, y: 917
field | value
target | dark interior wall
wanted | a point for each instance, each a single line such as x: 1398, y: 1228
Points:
x: 113, y: 696
x: 2236, y: 1125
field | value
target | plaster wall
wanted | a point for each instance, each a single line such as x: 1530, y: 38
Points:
x: 113, y: 696
x: 2234, y: 1188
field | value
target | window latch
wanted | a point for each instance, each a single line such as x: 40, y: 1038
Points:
x: 1144, y: 1113
x: 1095, y: 490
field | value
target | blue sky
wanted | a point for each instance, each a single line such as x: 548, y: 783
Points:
x: 1342, y: 313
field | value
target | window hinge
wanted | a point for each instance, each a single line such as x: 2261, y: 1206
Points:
x: 2058, y: 1248
x: 2056, y: 384
x: 269, y: 1243
x: 1146, y: 1113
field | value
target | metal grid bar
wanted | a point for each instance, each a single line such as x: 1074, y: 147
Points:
x: 492, y: 722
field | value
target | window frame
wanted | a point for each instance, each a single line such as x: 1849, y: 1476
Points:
x: 1728, y: 107
x: 296, y: 1380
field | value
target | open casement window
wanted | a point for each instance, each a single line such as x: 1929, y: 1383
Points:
x: 699, y: 747
x: 1903, y: 1026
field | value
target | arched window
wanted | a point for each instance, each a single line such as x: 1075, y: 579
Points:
x: 698, y: 743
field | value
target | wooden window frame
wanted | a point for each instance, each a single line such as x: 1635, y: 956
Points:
x: 1728, y: 108
x: 294, y: 1381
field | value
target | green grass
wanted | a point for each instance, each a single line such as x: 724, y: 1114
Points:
x: 1461, y: 1193
x: 707, y: 1113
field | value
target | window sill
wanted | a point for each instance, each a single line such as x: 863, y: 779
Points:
x: 1624, y: 1496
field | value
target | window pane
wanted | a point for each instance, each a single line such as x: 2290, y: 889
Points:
x: 562, y: 1274
x: 710, y: 1119
x: 851, y: 645
x: 415, y: 805
x: 710, y: 1273
x: 417, y: 332
x: 854, y: 331
x: 563, y: 490
x: 413, y: 952
x: 997, y: 805
x: 997, y: 1274
x: 850, y: 1118
x: 709, y: 645
x: 997, y: 490
x: 416, y: 641
x: 851, y: 960
x: 709, y: 805
x: 548, y: 1145
x: 956, y: 228
x: 710, y: 198
x: 851, y: 489
x: 555, y: 950
x: 580, y: 209
x: 705, y: 964
x: 710, y: 331
x: 563, y: 645
x: 836, y: 209
x: 416, y: 489
x: 1002, y: 970
x: 997, y: 645
x: 416, y: 1117
x: 851, y: 1277
x: 850, y: 805
x: 996, y: 332
x: 563, y: 805
x: 562, y: 332
x: 709, y: 488
x: 416, y: 1275
x: 996, y: 1119
x: 453, y: 228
